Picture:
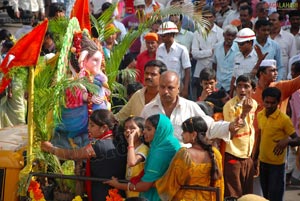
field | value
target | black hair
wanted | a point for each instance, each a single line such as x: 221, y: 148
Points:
x: 246, y: 78
x: 280, y: 16
x: 247, y: 24
x: 207, y: 74
x: 261, y: 23
x: 198, y: 125
x: 272, y: 92
x: 154, y: 119
x: 50, y: 34
x: 8, y: 44
x: 139, y: 121
x: 247, y: 7
x: 103, y: 117
x: 261, y: 69
x: 243, y: 78
x: 208, y: 10
x: 133, y: 87
x: 260, y: 3
x: 105, y: 6
x: 5, y: 35
x: 297, y: 67
x: 206, y: 107
x: 56, y: 7
x: 157, y: 63
x: 294, y: 13
x: 239, y: 2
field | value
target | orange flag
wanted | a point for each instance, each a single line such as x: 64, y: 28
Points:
x: 24, y: 53
x: 82, y: 13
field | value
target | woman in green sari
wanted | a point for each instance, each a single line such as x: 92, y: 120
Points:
x: 159, y: 133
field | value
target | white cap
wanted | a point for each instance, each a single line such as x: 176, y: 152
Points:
x: 245, y: 34
x: 294, y: 59
x: 139, y: 3
x: 268, y: 63
x: 167, y: 27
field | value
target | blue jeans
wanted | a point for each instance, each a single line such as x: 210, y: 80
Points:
x: 272, y: 180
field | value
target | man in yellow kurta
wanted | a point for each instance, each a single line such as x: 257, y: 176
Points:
x: 276, y: 133
x: 238, y: 164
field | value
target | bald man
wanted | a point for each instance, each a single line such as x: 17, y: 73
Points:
x: 178, y: 109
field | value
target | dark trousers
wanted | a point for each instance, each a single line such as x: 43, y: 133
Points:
x: 272, y: 181
x: 238, y: 176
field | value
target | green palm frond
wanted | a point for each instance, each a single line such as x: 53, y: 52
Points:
x: 58, y: 26
x: 190, y: 10
x: 100, y: 23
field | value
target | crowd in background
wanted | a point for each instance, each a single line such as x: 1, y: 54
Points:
x: 219, y: 109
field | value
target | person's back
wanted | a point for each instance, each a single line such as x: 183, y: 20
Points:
x: 190, y: 166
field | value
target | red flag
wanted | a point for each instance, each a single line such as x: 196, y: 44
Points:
x: 82, y: 13
x: 24, y: 53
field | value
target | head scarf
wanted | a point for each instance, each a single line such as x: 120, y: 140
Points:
x: 162, y: 149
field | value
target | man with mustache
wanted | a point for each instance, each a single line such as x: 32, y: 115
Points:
x: 151, y: 40
x: 152, y: 71
x: 178, y: 109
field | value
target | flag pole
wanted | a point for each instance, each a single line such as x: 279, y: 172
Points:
x: 29, y: 157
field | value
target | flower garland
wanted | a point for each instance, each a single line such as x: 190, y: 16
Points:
x: 35, y: 192
x: 113, y: 195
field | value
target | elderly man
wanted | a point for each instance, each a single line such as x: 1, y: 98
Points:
x: 223, y: 59
x: 179, y: 109
x: 139, y: 99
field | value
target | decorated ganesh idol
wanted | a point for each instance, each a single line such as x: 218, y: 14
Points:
x: 86, y: 61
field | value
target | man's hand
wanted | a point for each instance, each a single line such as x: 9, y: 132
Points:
x: 280, y: 146
x: 17, y: 14
x: 256, y: 167
x: 235, y: 126
x: 247, y: 107
x: 259, y: 53
x: 205, y: 93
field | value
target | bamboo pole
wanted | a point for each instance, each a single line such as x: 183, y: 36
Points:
x: 27, y: 169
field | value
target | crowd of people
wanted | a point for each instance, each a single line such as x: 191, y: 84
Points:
x: 215, y: 109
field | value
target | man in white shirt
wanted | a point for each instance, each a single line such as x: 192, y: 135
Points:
x: 179, y: 109
x: 286, y: 42
x: 203, y: 46
x: 35, y: 6
x: 174, y: 55
x: 294, y: 17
